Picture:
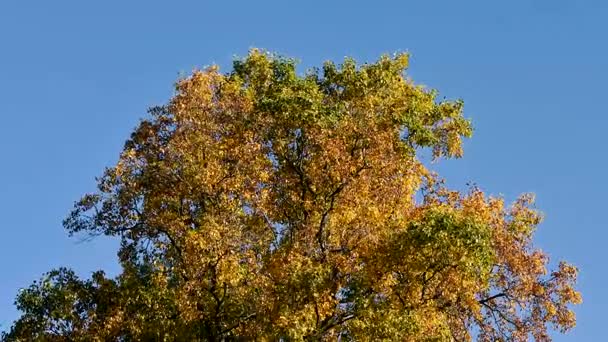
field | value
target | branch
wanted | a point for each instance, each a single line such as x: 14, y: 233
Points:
x: 485, y: 300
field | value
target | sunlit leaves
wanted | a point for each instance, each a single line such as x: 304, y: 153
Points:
x: 264, y: 204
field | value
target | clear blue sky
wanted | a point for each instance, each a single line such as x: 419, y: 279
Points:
x: 76, y: 76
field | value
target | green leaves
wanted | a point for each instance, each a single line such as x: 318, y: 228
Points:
x: 263, y: 204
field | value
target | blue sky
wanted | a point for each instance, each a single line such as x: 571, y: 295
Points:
x: 76, y: 76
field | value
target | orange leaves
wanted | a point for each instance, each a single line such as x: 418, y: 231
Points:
x: 266, y: 205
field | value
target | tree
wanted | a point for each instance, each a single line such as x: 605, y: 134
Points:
x: 267, y: 205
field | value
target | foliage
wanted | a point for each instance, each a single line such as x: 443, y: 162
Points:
x: 267, y: 205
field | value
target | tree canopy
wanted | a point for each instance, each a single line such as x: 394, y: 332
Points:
x: 266, y: 204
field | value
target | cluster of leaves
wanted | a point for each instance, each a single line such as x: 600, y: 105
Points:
x: 266, y: 205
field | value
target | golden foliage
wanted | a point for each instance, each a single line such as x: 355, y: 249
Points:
x: 264, y: 205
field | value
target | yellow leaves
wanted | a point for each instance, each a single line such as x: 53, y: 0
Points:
x: 265, y: 205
